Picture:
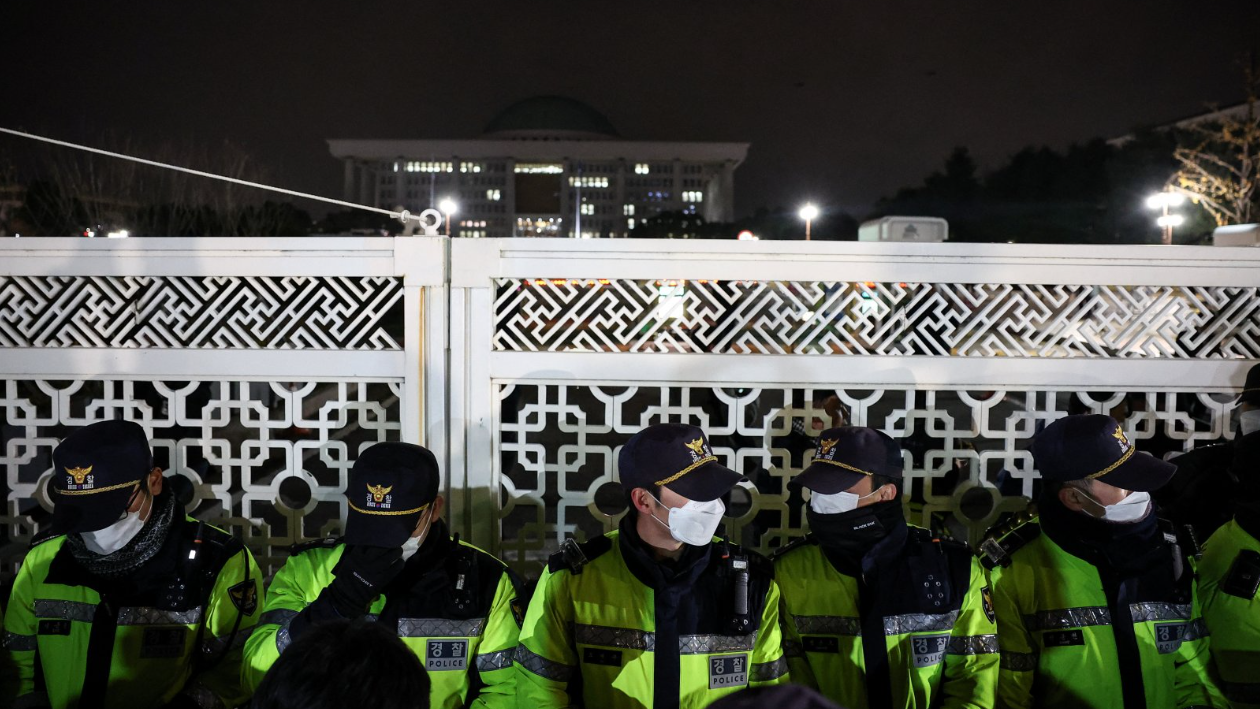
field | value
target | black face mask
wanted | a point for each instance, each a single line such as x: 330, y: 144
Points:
x: 850, y: 535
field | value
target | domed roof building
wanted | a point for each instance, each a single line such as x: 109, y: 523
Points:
x: 550, y: 118
x: 544, y: 166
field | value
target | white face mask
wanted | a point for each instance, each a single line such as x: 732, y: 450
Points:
x: 115, y: 536
x: 1131, y: 509
x: 1249, y: 422
x: 836, y: 503
x: 695, y: 522
x: 412, y: 545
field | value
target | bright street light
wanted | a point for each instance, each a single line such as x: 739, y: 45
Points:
x: 809, y: 213
x: 448, y: 207
x: 1162, y: 201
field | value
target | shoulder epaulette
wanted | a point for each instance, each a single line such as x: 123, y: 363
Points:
x: 797, y: 543
x: 43, y: 536
x: 325, y: 543
x: 573, y: 556
x: 1004, y: 540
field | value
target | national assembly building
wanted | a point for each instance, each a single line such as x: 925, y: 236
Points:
x: 546, y: 166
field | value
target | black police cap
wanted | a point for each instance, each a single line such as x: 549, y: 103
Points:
x: 677, y: 456
x: 96, y: 470
x: 1095, y: 447
x: 390, y: 486
x: 847, y: 454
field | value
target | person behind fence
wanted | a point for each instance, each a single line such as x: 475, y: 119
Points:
x: 876, y: 612
x: 659, y: 613
x: 1200, y: 493
x: 1229, y: 578
x: 132, y: 603
x: 454, y: 605
x: 342, y: 663
x: 1096, y: 603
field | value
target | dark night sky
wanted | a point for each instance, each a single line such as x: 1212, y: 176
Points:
x: 842, y: 101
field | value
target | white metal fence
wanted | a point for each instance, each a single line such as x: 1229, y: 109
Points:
x: 261, y: 367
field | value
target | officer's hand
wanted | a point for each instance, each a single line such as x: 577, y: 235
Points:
x: 361, y: 574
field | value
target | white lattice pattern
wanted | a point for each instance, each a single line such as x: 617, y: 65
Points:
x: 965, y: 452
x: 813, y: 317
x: 268, y: 461
x: 285, y: 312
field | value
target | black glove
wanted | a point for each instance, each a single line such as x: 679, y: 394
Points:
x: 361, y: 574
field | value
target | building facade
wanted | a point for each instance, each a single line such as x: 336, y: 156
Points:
x: 546, y: 166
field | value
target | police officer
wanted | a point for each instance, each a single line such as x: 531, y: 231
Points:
x: 876, y: 612
x: 454, y: 605
x: 133, y: 604
x: 1201, y: 492
x: 658, y: 613
x: 1229, y: 577
x: 1096, y: 606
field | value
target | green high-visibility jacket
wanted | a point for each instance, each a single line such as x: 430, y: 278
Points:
x: 454, y: 605
x: 921, y: 615
x: 175, y: 626
x: 610, y: 628
x: 1064, y: 638
x: 1231, y: 608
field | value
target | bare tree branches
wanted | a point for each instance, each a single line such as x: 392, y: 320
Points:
x: 1220, y: 169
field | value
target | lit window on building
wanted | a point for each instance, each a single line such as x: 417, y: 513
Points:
x: 494, y: 195
x: 471, y: 167
x: 630, y: 223
x: 588, y: 182
x: 628, y: 210
x: 588, y: 209
x: 396, y: 167
x: 641, y: 168
x: 539, y: 168
x: 693, y: 196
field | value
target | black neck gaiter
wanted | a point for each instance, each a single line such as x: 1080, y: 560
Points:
x: 848, y: 537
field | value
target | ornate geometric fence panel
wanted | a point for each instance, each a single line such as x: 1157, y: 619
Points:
x: 282, y: 312
x: 965, y: 452
x: 870, y: 318
x: 267, y: 460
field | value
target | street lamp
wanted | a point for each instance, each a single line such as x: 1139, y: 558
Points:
x: 1162, y: 201
x: 809, y: 213
x: 448, y: 208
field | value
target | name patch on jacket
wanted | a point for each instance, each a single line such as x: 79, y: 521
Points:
x: 816, y: 643
x: 443, y: 655
x: 1168, y: 636
x: 1063, y: 638
x: 728, y: 671
x: 600, y: 656
x: 928, y: 649
x: 54, y: 627
x: 163, y: 642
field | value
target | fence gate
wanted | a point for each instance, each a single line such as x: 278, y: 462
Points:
x: 561, y: 350
x: 259, y: 368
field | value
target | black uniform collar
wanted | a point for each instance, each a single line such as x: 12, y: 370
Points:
x: 1126, y: 548
x: 856, y: 541
x: 658, y: 574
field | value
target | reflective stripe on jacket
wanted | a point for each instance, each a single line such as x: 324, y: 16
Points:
x: 460, y: 650
x: 600, y: 636
x: 1233, y: 617
x: 1061, y: 642
x: 928, y: 601
x: 183, y: 634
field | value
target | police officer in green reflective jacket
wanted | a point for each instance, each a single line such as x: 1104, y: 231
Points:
x: 132, y: 604
x: 454, y: 605
x: 876, y: 612
x: 659, y: 613
x: 1229, y: 581
x: 1097, y: 605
